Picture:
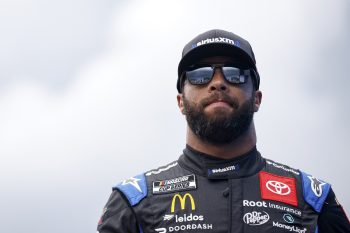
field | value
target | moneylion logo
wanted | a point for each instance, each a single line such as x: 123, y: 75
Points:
x: 289, y: 227
x: 182, y: 200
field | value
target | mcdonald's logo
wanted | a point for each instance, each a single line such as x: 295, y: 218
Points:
x: 182, y: 200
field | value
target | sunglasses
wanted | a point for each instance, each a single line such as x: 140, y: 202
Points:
x: 203, y: 74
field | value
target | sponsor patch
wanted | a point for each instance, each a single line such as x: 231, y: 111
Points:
x: 160, y: 230
x: 186, y: 228
x: 180, y: 220
x: 288, y: 218
x: 285, y: 208
x: 256, y: 218
x: 168, y: 217
x: 217, y: 40
x: 316, y: 185
x: 177, y: 198
x: 176, y: 184
x: 278, y: 188
x: 214, y: 172
x: 280, y: 166
x: 188, y: 218
x: 265, y: 204
x: 223, y: 170
x: 288, y: 227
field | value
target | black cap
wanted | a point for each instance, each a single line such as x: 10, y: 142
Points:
x: 217, y: 43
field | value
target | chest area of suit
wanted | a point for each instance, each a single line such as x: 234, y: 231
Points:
x: 260, y: 203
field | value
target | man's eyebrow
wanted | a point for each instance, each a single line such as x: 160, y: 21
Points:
x: 236, y: 64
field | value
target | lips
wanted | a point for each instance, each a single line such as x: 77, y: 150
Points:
x: 222, y: 101
x: 219, y: 103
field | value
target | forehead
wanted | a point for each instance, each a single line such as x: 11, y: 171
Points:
x: 216, y: 59
x: 222, y: 60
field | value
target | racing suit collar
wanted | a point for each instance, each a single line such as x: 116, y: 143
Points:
x: 212, y: 167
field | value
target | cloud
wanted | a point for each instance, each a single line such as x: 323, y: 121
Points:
x: 116, y: 114
x: 46, y: 42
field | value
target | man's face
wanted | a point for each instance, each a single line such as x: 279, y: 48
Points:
x: 219, y: 112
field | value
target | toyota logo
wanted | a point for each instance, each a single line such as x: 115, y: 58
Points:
x: 278, y: 187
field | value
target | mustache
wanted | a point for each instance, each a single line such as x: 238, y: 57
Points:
x: 220, y: 97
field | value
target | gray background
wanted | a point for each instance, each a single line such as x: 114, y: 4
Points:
x: 87, y: 96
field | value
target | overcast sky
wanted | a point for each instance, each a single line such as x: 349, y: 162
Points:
x: 88, y: 96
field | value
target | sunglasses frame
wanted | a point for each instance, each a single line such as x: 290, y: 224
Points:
x: 243, y: 72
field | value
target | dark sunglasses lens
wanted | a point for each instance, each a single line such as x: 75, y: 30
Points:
x: 233, y: 75
x: 200, y: 76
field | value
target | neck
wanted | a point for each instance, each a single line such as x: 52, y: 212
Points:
x: 239, y: 146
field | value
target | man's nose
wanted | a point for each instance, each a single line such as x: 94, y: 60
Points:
x: 218, y: 83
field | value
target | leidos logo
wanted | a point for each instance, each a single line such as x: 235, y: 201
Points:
x: 182, y: 200
x: 177, y: 198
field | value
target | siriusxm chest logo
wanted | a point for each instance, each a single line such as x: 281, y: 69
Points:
x: 217, y: 40
x: 223, y: 170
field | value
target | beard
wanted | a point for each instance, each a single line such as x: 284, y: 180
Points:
x: 222, y: 127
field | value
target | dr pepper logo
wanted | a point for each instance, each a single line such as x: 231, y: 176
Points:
x: 278, y: 188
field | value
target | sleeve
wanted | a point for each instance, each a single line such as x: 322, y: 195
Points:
x: 332, y: 218
x: 117, y: 216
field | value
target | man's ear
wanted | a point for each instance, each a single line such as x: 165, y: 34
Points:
x: 180, y: 102
x: 257, y: 100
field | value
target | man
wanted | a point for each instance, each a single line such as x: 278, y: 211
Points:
x: 221, y: 183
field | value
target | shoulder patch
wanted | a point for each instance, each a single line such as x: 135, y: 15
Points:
x: 181, y: 183
x: 282, y: 167
x: 315, y: 191
x: 134, y: 188
x: 278, y: 188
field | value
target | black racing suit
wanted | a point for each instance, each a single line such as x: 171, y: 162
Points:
x: 201, y: 193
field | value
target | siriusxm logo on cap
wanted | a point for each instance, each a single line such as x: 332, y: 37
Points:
x: 217, y: 40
